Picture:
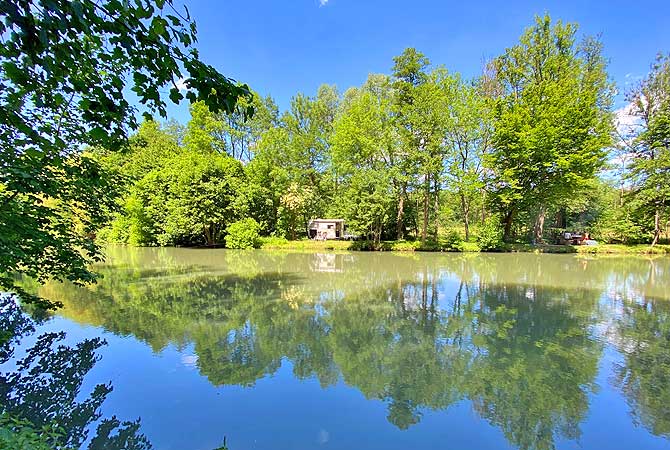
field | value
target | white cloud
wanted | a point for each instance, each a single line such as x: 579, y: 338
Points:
x: 323, y: 2
x: 625, y: 117
x: 628, y: 124
x: 181, y: 84
x: 190, y: 361
x: 631, y: 78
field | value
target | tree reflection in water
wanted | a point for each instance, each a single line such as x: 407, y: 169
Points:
x: 515, y: 336
x: 45, y: 383
x: 643, y: 337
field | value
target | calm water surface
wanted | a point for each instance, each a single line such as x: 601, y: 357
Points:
x: 379, y: 351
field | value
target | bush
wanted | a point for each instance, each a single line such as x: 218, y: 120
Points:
x: 364, y: 246
x: 405, y: 246
x: 243, y: 234
x: 491, y: 234
x: 452, y: 241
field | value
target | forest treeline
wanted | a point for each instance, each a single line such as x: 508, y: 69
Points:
x: 524, y: 151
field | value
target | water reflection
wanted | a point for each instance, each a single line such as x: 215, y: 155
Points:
x: 518, y: 336
x: 643, y: 337
x: 45, y: 386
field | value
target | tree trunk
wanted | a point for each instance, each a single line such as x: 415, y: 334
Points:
x: 208, y: 234
x: 426, y: 194
x: 400, y: 226
x: 657, y: 227
x: 436, y: 208
x: 465, y: 209
x: 509, y: 218
x: 538, y: 229
x: 483, y: 206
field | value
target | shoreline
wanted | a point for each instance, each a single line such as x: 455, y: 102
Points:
x: 467, y: 247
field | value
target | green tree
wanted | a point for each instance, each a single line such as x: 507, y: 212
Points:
x: 240, y: 134
x: 150, y: 147
x: 364, y: 146
x: 193, y: 199
x: 295, y: 206
x: 409, y: 72
x: 552, y: 122
x: 294, y: 157
x: 203, y: 130
x: 650, y: 169
x: 268, y: 179
x: 65, y: 69
x: 468, y: 134
x: 309, y: 123
x: 426, y: 120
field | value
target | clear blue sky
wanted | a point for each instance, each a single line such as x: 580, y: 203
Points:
x: 284, y: 47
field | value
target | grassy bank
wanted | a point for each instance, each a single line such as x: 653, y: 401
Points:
x: 303, y: 245
x: 609, y: 249
x: 411, y: 246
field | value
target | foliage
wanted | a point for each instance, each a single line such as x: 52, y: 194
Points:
x: 295, y: 206
x: 406, y: 155
x: 193, y: 199
x: 552, y: 121
x: 452, y: 241
x: 421, y: 151
x: 650, y: 169
x: 243, y: 234
x: 65, y: 69
x: 490, y: 236
x: 363, y: 146
x: 468, y: 136
x: 20, y: 434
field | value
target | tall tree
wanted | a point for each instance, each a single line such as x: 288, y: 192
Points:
x: 364, y: 147
x: 650, y: 169
x: 239, y: 134
x: 426, y: 119
x: 301, y: 148
x: 193, y: 198
x: 552, y: 123
x: 409, y: 73
x: 468, y: 134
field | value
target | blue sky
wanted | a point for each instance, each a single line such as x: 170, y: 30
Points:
x: 284, y: 47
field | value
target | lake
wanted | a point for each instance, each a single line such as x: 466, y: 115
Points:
x: 278, y: 350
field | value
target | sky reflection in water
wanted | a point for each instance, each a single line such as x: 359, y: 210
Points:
x: 388, y: 351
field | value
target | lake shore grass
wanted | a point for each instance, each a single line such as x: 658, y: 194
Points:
x: 465, y: 247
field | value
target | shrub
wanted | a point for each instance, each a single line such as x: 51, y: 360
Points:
x: 490, y: 234
x: 453, y: 241
x: 243, y: 234
x: 470, y: 247
x: 405, y: 246
x: 363, y: 246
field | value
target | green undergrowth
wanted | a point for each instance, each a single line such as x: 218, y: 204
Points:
x: 447, y: 245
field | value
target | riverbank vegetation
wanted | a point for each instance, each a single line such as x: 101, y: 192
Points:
x: 421, y: 157
x: 272, y: 243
